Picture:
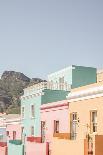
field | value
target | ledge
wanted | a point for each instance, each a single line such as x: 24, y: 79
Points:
x: 62, y: 135
x: 15, y: 142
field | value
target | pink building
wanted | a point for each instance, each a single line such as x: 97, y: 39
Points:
x: 35, y: 148
x: 3, y: 148
x: 10, y: 129
x: 54, y: 119
x: 13, y: 128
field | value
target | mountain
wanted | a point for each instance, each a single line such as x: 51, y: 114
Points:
x: 11, y: 88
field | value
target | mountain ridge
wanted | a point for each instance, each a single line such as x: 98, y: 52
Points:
x: 12, y: 84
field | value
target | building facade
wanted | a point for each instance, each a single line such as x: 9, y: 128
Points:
x: 37, y: 99
x: 86, y: 124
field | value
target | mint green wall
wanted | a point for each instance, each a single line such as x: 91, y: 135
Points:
x: 15, y: 149
x: 82, y: 76
x: 53, y: 95
x: 27, y: 122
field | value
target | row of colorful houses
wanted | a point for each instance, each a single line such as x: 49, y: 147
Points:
x: 60, y: 116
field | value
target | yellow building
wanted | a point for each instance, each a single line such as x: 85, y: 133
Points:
x: 85, y: 116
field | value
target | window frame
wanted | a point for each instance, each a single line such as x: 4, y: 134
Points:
x: 32, y: 130
x: 56, y: 126
x: 32, y: 112
x: 93, y: 124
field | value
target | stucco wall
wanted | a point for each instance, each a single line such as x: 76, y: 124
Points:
x: 67, y: 147
x: 53, y: 96
x: 14, y: 127
x: 3, y: 150
x: 28, y: 121
x: 83, y: 75
x: 83, y: 109
x: 99, y: 145
x: 33, y: 148
x: 66, y: 72
x: 56, y: 113
x: 15, y: 149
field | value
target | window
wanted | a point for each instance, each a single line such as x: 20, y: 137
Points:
x: 56, y: 126
x: 32, y: 111
x: 22, y: 112
x: 73, y: 125
x: 22, y: 129
x: 61, y: 83
x: 32, y: 130
x: 14, y: 135
x: 93, y: 121
x: 7, y: 133
x: 74, y: 115
x: 1, y: 138
x: 61, y: 79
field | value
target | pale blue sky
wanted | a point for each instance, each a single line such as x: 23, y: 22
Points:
x: 41, y: 36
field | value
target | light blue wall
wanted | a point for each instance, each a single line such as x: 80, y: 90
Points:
x: 15, y: 149
x: 28, y: 121
x: 3, y: 137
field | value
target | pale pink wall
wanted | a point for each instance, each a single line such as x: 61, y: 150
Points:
x: 58, y: 113
x: 14, y: 127
x: 3, y: 150
x: 33, y: 148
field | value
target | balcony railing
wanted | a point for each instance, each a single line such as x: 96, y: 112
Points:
x: 62, y: 135
x: 34, y: 139
x: 47, y: 85
x: 16, y: 142
x: 3, y: 144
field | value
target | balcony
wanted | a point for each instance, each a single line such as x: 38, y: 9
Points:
x: 15, y: 142
x: 62, y: 135
x: 3, y: 144
x: 34, y: 139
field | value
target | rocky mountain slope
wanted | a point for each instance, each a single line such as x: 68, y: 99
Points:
x: 11, y: 88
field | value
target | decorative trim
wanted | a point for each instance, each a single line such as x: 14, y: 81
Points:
x: 85, y: 94
x: 54, y: 106
x: 33, y: 95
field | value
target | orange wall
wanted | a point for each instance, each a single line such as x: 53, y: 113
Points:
x: 99, y: 145
x: 83, y: 109
x: 67, y: 147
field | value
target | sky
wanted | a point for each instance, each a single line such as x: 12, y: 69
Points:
x: 38, y: 37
